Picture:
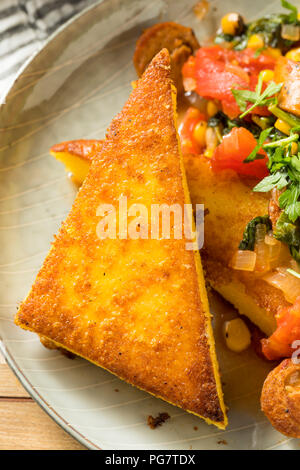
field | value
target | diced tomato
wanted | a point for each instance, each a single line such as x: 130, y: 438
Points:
x: 217, y: 71
x: 234, y: 149
x: 236, y: 70
x: 189, y: 67
x: 214, y: 81
x: 288, y: 331
x: 252, y: 63
x: 188, y: 143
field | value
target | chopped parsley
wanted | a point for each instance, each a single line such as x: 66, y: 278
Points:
x: 293, y: 16
x: 284, y: 168
x: 261, y: 140
x: 248, y: 241
x: 284, y: 171
x: 257, y: 97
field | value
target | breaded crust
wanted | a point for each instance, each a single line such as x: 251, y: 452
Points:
x: 180, y: 41
x: 136, y: 307
x: 280, y: 398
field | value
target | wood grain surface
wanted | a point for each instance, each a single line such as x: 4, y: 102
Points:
x: 23, y: 424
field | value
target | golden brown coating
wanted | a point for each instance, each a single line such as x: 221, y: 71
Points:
x: 280, y: 398
x: 288, y: 72
x: 180, y: 41
x: 136, y: 307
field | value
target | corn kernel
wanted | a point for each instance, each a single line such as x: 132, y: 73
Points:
x: 199, y: 133
x: 273, y: 52
x: 212, y: 108
x: 298, y: 16
x: 294, y: 148
x: 194, y: 113
x: 231, y: 24
x: 260, y: 121
x: 293, y: 54
x: 282, y: 126
x: 256, y: 41
x: 237, y: 335
x: 267, y: 75
x: 186, y: 145
x: 209, y: 153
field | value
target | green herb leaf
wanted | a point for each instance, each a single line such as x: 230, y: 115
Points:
x: 287, y: 117
x: 277, y: 180
x: 288, y: 201
x: 289, y: 233
x: 294, y: 12
x: 259, y: 51
x: 295, y: 163
x: 248, y: 241
x: 282, y: 142
x: 265, y: 98
x: 286, y: 231
x: 255, y: 152
x: 243, y: 97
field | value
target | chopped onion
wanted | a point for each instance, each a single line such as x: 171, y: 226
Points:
x: 285, y: 256
x: 261, y: 249
x: 271, y: 240
x: 274, y: 248
x: 286, y: 282
x: 260, y: 233
x: 189, y: 84
x: 211, y: 138
x: 243, y: 260
x: 290, y: 32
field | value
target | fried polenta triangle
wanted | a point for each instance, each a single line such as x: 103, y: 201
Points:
x: 136, y: 307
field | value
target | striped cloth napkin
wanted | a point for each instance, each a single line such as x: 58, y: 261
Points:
x: 25, y: 26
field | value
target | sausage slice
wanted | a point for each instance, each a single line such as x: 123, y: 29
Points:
x: 180, y: 41
x: 280, y: 398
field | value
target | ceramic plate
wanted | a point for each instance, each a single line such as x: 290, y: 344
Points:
x: 71, y: 89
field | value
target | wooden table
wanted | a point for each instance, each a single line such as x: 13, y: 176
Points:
x: 23, y: 424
